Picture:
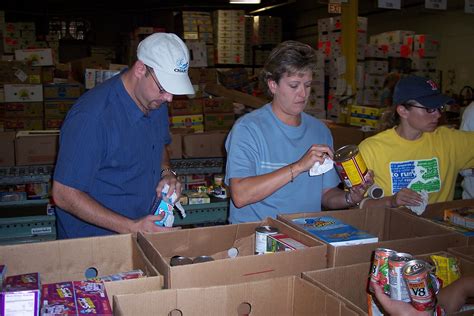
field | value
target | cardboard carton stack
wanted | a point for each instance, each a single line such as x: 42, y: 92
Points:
x: 330, y: 46
x: 229, y: 36
x: 261, y: 34
x: 58, y: 99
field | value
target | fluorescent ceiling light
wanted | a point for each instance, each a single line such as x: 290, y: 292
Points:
x: 244, y: 1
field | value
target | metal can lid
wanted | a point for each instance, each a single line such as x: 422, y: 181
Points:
x: 266, y: 229
x: 202, y: 259
x: 400, y: 256
x: 345, y: 152
x: 414, y: 267
x: 385, y: 250
x: 180, y: 261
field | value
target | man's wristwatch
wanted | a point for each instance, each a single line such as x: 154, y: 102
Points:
x: 167, y: 170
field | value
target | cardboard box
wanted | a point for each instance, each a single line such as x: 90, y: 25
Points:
x: 23, y: 92
x: 218, y: 121
x: 175, y: 149
x: 62, y: 91
x: 7, y: 149
x: 22, y: 109
x: 345, y: 135
x: 395, y: 230
x: 434, y: 213
x: 22, y: 123
x: 349, y: 283
x: 36, y: 147
x: 37, y: 57
x: 278, y: 296
x: 215, y: 242
x: 70, y: 259
x: 204, y: 145
x: 466, y: 252
x: 19, y: 73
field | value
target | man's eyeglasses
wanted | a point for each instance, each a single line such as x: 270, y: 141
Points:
x: 150, y: 72
x: 441, y: 109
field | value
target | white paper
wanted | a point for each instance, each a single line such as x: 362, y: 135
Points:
x: 341, y: 86
x: 420, y: 208
x: 389, y: 4
x: 436, y: 4
x: 318, y: 169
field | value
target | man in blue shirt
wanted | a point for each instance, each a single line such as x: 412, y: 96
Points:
x: 112, y: 159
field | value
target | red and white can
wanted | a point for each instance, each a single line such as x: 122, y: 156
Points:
x: 417, y: 277
x: 398, y: 287
x: 379, y: 270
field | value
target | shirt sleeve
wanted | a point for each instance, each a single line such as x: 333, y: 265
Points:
x: 81, y: 148
x: 242, y: 153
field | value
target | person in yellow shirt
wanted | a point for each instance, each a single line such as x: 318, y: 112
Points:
x: 413, y: 156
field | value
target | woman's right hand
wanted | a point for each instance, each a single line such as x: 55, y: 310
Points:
x: 317, y: 152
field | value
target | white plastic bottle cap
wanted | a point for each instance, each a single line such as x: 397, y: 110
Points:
x: 232, y: 252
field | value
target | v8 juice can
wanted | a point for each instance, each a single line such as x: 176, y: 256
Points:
x: 350, y: 166
x: 379, y: 270
x: 398, y: 287
x: 418, y: 280
x: 261, y: 234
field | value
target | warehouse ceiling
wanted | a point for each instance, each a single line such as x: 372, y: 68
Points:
x: 268, y: 7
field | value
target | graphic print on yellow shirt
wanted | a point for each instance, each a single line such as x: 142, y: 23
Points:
x: 418, y: 175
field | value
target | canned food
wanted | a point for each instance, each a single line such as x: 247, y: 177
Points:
x: 180, y: 261
x: 379, y: 270
x: 261, y: 234
x: 398, y: 287
x: 350, y: 165
x: 417, y: 277
x: 201, y: 259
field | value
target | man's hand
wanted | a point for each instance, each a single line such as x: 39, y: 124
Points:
x: 173, y: 182
x: 147, y: 225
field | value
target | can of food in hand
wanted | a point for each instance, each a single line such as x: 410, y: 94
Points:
x: 261, y: 234
x: 417, y: 277
x: 379, y: 270
x: 350, y: 165
x: 398, y: 287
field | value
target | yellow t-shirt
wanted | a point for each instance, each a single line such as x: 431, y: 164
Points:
x: 430, y: 163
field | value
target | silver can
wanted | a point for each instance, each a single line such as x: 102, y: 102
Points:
x: 180, y: 261
x: 398, y: 287
x: 261, y: 234
x: 201, y: 259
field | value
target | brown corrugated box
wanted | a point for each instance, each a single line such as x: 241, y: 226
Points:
x: 204, y: 145
x: 36, y: 147
x: 215, y: 242
x: 68, y: 260
x: 7, y: 149
x: 395, y: 230
x: 279, y: 296
x: 434, y: 213
x: 175, y: 149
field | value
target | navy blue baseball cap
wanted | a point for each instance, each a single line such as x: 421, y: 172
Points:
x: 422, y: 90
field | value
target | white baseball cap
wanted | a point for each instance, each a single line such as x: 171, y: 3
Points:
x: 167, y: 54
